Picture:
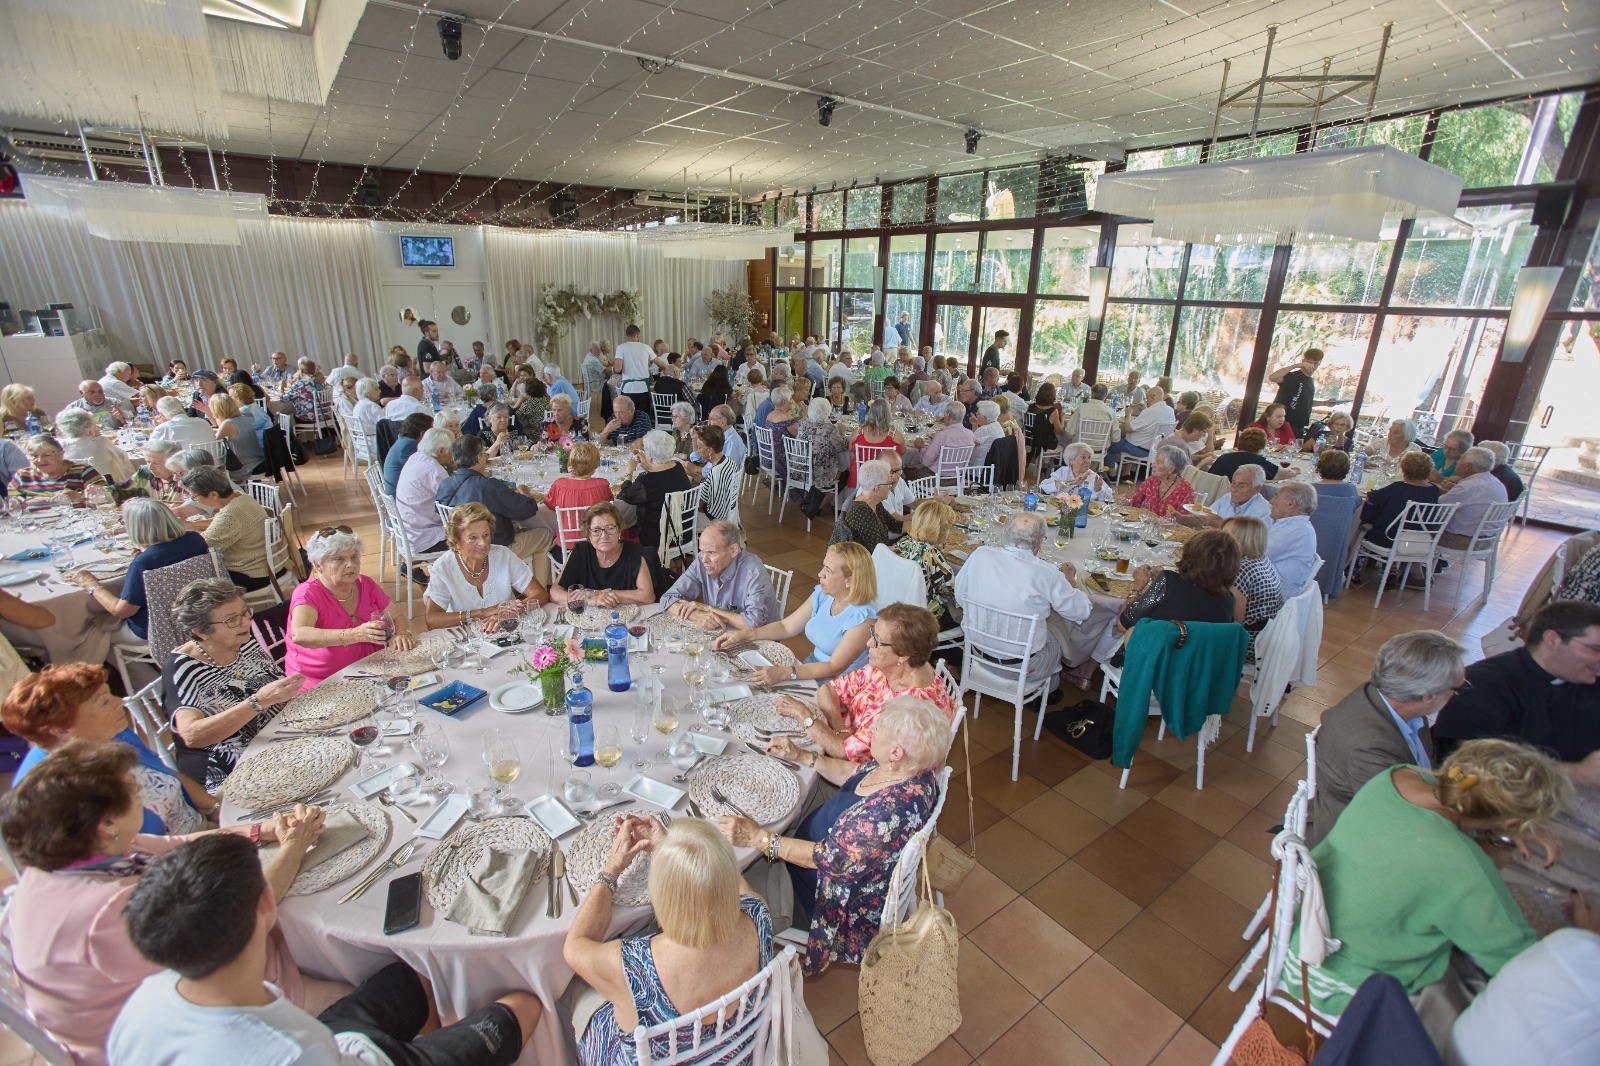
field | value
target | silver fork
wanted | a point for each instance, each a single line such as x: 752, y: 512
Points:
x: 722, y: 798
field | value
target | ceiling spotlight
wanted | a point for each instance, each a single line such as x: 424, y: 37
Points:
x: 825, y: 106
x: 450, y: 36
x: 972, y: 141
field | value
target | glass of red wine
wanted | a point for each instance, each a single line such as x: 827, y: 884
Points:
x: 362, y: 738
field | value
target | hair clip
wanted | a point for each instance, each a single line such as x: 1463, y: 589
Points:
x: 1460, y: 778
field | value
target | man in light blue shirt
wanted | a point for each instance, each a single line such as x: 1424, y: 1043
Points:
x: 934, y: 402
x: 1243, y: 498
x: 1292, y: 543
x: 1475, y: 491
x: 557, y: 385
x: 733, y: 445
x: 724, y: 586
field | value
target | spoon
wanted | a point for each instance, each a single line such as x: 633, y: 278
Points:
x: 389, y: 801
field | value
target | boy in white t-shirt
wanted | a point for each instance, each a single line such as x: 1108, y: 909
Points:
x: 204, y: 910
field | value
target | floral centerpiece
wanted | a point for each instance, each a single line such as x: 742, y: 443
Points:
x: 471, y: 395
x: 548, y: 668
x: 1072, y: 513
x: 564, y: 444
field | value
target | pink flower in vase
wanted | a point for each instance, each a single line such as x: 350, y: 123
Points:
x: 544, y: 658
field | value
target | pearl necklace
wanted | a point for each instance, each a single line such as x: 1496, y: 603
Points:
x: 472, y: 575
x: 232, y: 668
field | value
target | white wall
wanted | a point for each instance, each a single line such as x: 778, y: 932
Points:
x: 436, y: 295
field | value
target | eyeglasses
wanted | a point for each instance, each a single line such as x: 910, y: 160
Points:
x: 606, y: 531
x: 234, y: 621
x: 872, y: 638
x: 328, y: 531
x: 1461, y: 689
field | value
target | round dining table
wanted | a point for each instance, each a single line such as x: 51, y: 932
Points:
x: 346, y: 941
x: 36, y: 548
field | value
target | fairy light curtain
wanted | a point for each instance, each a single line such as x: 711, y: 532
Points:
x: 161, y: 214
x: 1342, y: 194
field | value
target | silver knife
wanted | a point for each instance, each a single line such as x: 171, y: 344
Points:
x: 572, y: 892
x: 312, y: 800
x: 558, y: 867
x: 401, y: 856
x: 768, y: 754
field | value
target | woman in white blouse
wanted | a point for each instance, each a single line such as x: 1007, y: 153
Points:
x: 364, y: 416
x: 477, y: 580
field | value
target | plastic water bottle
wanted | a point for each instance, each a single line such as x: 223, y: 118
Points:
x: 617, y: 677
x: 580, y: 721
x: 861, y: 412
x: 1358, y: 468
x: 33, y: 424
x: 1030, y: 502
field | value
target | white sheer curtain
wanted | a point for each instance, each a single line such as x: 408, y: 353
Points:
x: 307, y: 287
x: 672, y: 292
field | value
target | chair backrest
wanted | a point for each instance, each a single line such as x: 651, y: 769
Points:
x: 581, y: 408
x: 901, y: 899
x: 925, y: 488
x: 569, y: 523
x: 1417, y: 529
x: 1095, y: 432
x: 161, y: 588
x: 797, y: 456
x: 899, y: 580
x: 271, y: 630
x: 286, y: 423
x: 663, y: 408
x: 1001, y: 643
x: 765, y: 449
x: 444, y: 513
x: 150, y: 722
x: 976, y: 477
x: 677, y: 538
x: 733, y: 1028
x: 374, y: 484
x: 219, y: 452
x: 267, y: 495
x: 1526, y: 459
x: 866, y: 453
x: 953, y: 458
x: 1496, y: 519
x: 1311, y: 763
x: 290, y: 521
x: 14, y: 1012
x: 781, y: 581
x: 941, y: 671
x: 280, y: 560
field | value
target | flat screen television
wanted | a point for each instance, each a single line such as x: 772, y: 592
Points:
x: 428, y: 251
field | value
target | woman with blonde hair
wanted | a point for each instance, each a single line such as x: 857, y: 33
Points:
x: 836, y: 618
x: 148, y: 396
x: 578, y: 487
x: 17, y: 402
x: 1405, y: 881
x: 715, y: 934
x: 1257, y: 580
x: 240, y: 433
x: 927, y: 532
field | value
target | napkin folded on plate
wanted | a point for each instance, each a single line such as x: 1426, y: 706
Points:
x: 488, y: 899
x: 27, y: 555
x: 340, y: 833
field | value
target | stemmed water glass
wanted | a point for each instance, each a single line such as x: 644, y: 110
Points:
x: 433, y: 749
x: 639, y: 731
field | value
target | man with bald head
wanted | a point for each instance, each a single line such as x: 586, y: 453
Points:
x: 725, y: 587
x: 934, y: 401
x: 628, y: 423
x: 1142, y: 427
x: 410, y: 402
x: 109, y: 413
x: 278, y: 373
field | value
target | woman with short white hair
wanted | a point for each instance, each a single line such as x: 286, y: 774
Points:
x: 830, y: 452
x: 651, y: 473
x: 866, y: 521
x: 364, y: 416
x: 174, y: 423
x: 1397, y: 440
x: 1076, y: 475
x: 683, y: 415
x: 339, y: 616
x: 161, y: 540
x: 1165, y: 489
x: 82, y: 443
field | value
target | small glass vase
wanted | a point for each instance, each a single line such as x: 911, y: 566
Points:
x: 562, y: 455
x: 553, y: 687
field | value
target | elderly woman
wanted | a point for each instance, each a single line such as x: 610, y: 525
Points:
x: 842, y: 855
x: 496, y: 430
x: 651, y: 473
x: 1078, y: 476
x: 563, y: 423
x: 339, y: 615
x: 1412, y: 832
x: 75, y: 825
x: 82, y: 443
x: 877, y: 431
x: 1398, y: 439
x: 830, y: 451
x: 1274, y: 422
x: 683, y: 419
x: 487, y: 385
x: 578, y: 487
x: 1165, y: 489
x: 345, y: 398
x: 161, y: 541
x: 238, y: 526
x: 1333, y: 467
x: 927, y: 532
x: 609, y: 569
x: 301, y: 392
x: 531, y: 402
x: 720, y: 476
x: 900, y: 643
x: 227, y: 366
x: 224, y: 688
x: 72, y: 701
x: 1335, y: 431
x: 477, y: 580
x: 50, y: 476
x: 364, y: 415
x: 1257, y: 580
x: 17, y: 403
x: 1201, y: 589
x: 715, y: 934
x: 836, y: 618
x: 1445, y: 457
x: 754, y: 391
x: 898, y: 402
x: 838, y: 397
x: 239, y: 432
x: 865, y: 521
x: 1383, y: 505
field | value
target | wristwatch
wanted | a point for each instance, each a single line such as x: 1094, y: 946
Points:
x: 794, y: 671
x: 808, y: 721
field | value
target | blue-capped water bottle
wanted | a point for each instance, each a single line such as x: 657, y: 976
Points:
x: 33, y: 424
x: 617, y: 676
x: 580, y: 721
x: 1358, y: 468
x: 861, y: 412
x: 1030, y: 502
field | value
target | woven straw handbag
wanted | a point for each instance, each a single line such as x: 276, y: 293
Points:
x: 909, y: 1002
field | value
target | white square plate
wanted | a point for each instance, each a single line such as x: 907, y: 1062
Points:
x: 728, y: 694
x: 368, y: 787
x: 753, y: 658
x: 652, y: 791
x: 423, y: 681
x: 707, y: 745
x: 444, y: 817
x: 488, y: 648
x: 396, y: 729
x: 552, y: 815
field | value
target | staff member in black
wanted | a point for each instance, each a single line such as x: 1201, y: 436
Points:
x: 1297, y: 389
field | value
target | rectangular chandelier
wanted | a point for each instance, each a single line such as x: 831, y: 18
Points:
x: 122, y: 211
x: 714, y: 240
x: 1340, y: 194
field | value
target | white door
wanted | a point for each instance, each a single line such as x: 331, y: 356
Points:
x: 405, y: 306
x: 439, y: 303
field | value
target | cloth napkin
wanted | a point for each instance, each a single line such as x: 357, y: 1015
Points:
x: 27, y: 555
x: 340, y: 833
x: 488, y: 899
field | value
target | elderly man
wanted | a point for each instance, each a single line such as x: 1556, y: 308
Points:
x: 177, y: 425
x: 985, y: 430
x: 934, y: 401
x: 404, y: 447
x: 513, y: 508
x: 388, y: 385
x: 953, y: 435
x: 725, y: 587
x: 1095, y: 409
x: 120, y: 382
x: 628, y: 423
x: 1073, y: 389
x: 901, y: 500
x: 1130, y: 392
x: 670, y: 383
x: 1543, y: 693
x: 1143, y: 429
x: 277, y: 372
x: 439, y: 388
x: 967, y: 396
x: 1502, y: 469
x: 1292, y: 543
x: 1449, y: 452
x: 1243, y: 498
x: 1385, y: 722
x: 410, y: 402
x: 557, y: 385
x: 1475, y: 491
x: 733, y: 445
x: 1008, y: 575
x: 350, y: 369
x: 418, y: 487
x: 109, y: 413
x: 991, y: 383
x: 593, y: 370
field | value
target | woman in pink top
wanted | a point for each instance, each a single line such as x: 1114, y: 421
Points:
x: 74, y: 824
x: 339, y: 616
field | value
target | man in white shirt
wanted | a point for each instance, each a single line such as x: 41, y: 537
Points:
x: 1007, y: 574
x: 409, y: 402
x: 1141, y: 431
x: 178, y: 426
x: 934, y: 401
x: 1073, y: 389
x: 1540, y: 1006
x: 985, y: 431
x: 120, y: 382
x: 633, y: 361
x: 1130, y: 393
x: 211, y: 1003
x: 348, y: 370
x: 901, y: 500
x: 1292, y: 543
x: 415, y: 492
x: 1474, y: 492
x: 439, y: 388
x: 843, y: 367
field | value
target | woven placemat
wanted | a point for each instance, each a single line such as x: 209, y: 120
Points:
x: 282, y: 772
x: 447, y: 866
x: 586, y: 857
x: 594, y: 619
x: 418, y: 660
x: 758, y: 711
x: 762, y: 788
x: 352, y: 860
x: 331, y: 703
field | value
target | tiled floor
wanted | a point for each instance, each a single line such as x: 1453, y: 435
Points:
x: 1101, y: 925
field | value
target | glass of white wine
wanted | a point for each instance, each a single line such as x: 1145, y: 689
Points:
x: 505, y: 765
x: 665, y: 722
x: 608, y: 752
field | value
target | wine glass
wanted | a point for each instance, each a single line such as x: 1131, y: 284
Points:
x: 383, y: 619
x: 665, y: 722
x: 576, y: 601
x: 505, y: 765
x: 639, y: 731
x: 608, y: 752
x: 433, y: 749
x: 362, y: 738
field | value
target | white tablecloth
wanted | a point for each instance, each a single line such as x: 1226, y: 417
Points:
x: 82, y: 631
x: 347, y: 941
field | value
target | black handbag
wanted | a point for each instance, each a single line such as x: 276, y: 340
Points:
x: 1085, y: 726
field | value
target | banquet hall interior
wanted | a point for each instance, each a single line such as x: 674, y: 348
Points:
x: 1367, y: 234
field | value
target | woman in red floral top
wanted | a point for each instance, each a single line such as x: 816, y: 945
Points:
x: 899, y: 644
x: 1165, y: 489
